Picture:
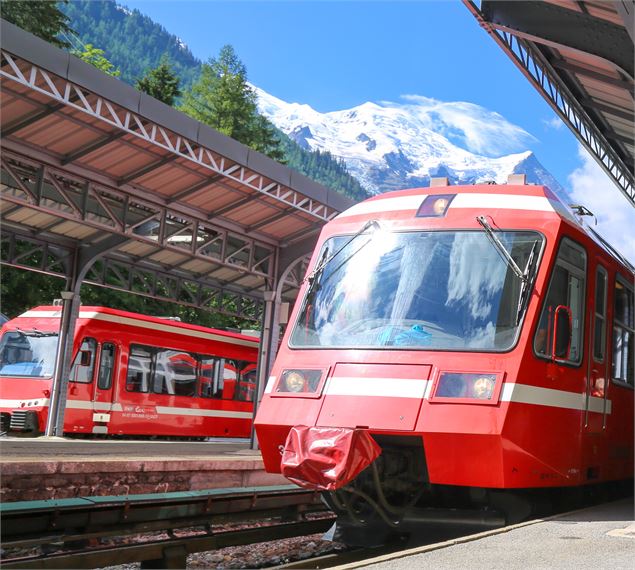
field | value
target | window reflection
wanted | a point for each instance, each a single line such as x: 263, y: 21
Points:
x: 437, y: 290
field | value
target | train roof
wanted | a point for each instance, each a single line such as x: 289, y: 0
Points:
x: 516, y: 197
x: 137, y: 319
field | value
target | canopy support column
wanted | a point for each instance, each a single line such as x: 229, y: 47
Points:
x: 83, y: 260
x: 264, y: 356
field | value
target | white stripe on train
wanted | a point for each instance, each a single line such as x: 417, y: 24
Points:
x: 471, y: 200
x: 417, y: 388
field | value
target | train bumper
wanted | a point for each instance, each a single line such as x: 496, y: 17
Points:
x: 327, y: 458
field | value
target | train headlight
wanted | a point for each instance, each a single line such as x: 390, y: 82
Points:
x: 483, y: 387
x: 466, y: 386
x: 299, y: 381
x: 435, y: 205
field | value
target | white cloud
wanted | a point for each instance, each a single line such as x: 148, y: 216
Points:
x: 478, y: 129
x: 591, y: 187
x: 553, y: 123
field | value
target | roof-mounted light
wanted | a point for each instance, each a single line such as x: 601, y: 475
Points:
x: 435, y: 206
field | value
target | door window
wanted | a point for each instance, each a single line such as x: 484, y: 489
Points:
x: 599, y: 327
x: 566, y: 288
x: 623, y: 333
x: 84, y: 363
x: 106, y: 366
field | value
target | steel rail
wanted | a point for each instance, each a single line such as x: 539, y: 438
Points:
x: 37, y: 523
x: 168, y: 553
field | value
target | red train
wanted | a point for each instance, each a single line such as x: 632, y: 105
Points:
x: 454, y: 347
x: 131, y: 375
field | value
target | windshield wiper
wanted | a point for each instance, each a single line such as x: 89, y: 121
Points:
x: 313, y: 278
x: 501, y: 248
x: 522, y: 275
x: 35, y: 333
x: 524, y: 287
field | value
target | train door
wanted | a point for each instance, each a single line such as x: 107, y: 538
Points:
x: 561, y: 341
x: 77, y: 418
x: 104, y: 387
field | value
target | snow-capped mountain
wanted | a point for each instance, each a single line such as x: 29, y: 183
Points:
x: 392, y: 146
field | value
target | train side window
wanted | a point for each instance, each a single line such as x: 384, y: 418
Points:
x: 84, y: 363
x: 174, y: 373
x: 106, y: 366
x: 599, y: 327
x: 623, y: 333
x: 567, y: 287
x: 210, y: 382
x: 139, y: 369
x: 247, y: 382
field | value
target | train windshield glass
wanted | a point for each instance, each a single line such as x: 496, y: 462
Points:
x: 28, y: 353
x: 442, y: 290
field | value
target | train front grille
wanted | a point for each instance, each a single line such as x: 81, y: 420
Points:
x: 23, y: 420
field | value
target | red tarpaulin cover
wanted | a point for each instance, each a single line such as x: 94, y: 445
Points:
x: 326, y: 458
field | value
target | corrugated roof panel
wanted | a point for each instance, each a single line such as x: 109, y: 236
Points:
x: 35, y: 219
x: 76, y: 230
x: 199, y: 266
x: 137, y: 248
x: 169, y: 257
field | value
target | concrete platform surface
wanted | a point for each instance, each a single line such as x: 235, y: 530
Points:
x: 594, y: 538
x: 59, y: 468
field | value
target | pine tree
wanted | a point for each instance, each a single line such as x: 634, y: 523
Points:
x: 223, y: 99
x: 40, y: 17
x: 161, y: 83
x: 95, y: 56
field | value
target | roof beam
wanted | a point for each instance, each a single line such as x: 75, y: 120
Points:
x: 232, y: 206
x: 72, y: 157
x: 269, y: 220
x: 548, y: 24
x: 608, y: 109
x: 193, y: 189
x: 592, y: 74
x: 30, y: 119
x: 143, y: 171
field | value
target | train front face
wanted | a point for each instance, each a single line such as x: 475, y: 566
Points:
x: 390, y: 374
x: 27, y: 361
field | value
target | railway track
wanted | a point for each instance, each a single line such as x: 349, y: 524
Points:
x: 70, y: 533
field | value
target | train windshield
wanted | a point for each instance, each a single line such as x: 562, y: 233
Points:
x: 435, y: 290
x: 28, y: 353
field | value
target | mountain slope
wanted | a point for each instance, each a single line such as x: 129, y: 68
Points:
x: 387, y: 147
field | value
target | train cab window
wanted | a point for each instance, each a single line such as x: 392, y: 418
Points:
x: 566, y: 288
x: 174, y: 373
x: 623, y: 334
x: 599, y: 327
x: 139, y: 369
x: 84, y: 363
x: 106, y: 366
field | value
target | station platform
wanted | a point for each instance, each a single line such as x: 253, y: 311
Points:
x: 602, y: 536
x: 60, y: 468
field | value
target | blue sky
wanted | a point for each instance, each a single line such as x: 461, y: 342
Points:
x: 335, y: 55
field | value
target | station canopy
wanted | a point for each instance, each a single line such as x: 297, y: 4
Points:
x: 167, y: 207
x: 580, y: 56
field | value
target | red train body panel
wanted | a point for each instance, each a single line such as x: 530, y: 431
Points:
x: 142, y: 375
x: 421, y: 330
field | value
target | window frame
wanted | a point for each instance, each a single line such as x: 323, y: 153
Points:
x: 600, y: 269
x: 584, y: 274
x: 112, y: 370
x: 300, y: 301
x: 92, y: 365
x: 615, y: 324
